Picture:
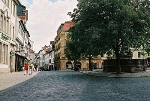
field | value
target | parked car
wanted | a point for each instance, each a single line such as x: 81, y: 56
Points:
x: 41, y: 68
x: 76, y: 68
x: 46, y: 67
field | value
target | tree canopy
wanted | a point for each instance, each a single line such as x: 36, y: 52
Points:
x: 104, y: 25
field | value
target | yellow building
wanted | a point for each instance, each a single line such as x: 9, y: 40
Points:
x: 60, y: 43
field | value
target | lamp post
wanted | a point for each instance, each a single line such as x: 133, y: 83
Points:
x: 90, y: 64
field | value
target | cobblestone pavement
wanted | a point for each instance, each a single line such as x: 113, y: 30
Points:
x: 76, y: 86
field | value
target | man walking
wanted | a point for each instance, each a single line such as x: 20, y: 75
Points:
x: 31, y: 67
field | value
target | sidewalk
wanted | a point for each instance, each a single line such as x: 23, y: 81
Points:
x: 14, y: 78
x: 100, y: 73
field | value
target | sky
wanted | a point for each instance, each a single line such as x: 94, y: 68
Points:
x: 45, y: 16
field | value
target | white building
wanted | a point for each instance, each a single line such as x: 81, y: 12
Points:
x: 44, y: 59
x: 14, y: 37
x: 21, y: 52
x: 22, y: 38
x: 31, y: 54
x: 8, y: 9
x: 51, y: 54
x: 40, y: 59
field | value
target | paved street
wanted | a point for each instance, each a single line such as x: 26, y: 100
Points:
x: 76, y: 86
x: 14, y: 78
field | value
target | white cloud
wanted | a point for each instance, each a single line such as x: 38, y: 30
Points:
x: 26, y: 3
x: 44, y: 19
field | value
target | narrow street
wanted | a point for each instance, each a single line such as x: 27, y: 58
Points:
x: 75, y: 86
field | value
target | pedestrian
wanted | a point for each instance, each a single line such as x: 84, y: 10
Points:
x: 26, y: 68
x: 38, y: 67
x: 35, y: 67
x: 31, y: 67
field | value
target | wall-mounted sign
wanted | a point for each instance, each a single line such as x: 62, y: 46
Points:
x: 12, y: 53
x: 3, y: 36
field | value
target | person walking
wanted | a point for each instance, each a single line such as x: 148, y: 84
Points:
x: 26, y: 68
x: 35, y: 67
x: 31, y: 67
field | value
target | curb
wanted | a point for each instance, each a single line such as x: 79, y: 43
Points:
x: 114, y: 75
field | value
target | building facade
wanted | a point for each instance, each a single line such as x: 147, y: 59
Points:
x: 51, y: 55
x: 13, y: 35
x: 61, y: 61
x: 8, y: 9
x: 60, y: 43
x: 44, y: 59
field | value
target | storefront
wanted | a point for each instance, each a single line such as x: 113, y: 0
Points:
x: 19, y: 62
x: 4, y: 53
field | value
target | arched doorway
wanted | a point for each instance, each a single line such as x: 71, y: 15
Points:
x: 77, y: 66
x: 69, y: 65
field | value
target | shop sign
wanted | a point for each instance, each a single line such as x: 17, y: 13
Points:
x: 3, y: 36
x: 12, y: 53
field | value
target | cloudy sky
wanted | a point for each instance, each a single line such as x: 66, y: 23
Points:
x: 45, y: 16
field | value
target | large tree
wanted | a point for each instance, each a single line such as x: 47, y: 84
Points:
x: 104, y: 25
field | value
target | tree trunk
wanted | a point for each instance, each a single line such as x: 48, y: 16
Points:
x: 90, y: 65
x: 118, y: 69
x: 117, y: 53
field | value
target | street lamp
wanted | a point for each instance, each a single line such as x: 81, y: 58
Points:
x: 90, y: 64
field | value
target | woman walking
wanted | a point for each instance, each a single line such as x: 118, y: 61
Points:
x: 26, y: 68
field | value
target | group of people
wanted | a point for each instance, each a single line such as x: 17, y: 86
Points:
x: 29, y: 68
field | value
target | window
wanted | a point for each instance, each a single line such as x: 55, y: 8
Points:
x: 148, y: 54
x: 7, y: 3
x: 4, y: 1
x: 7, y: 27
x: 0, y: 52
x: 4, y: 25
x: 11, y: 6
x: 6, y: 54
x: 10, y: 31
x: 1, y: 22
x: 3, y: 53
x: 139, y: 54
x: 13, y: 33
x: 14, y: 9
x: 19, y: 30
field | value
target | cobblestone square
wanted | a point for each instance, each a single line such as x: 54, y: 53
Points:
x: 72, y: 86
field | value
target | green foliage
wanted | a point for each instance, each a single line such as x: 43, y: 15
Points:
x: 104, y: 25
